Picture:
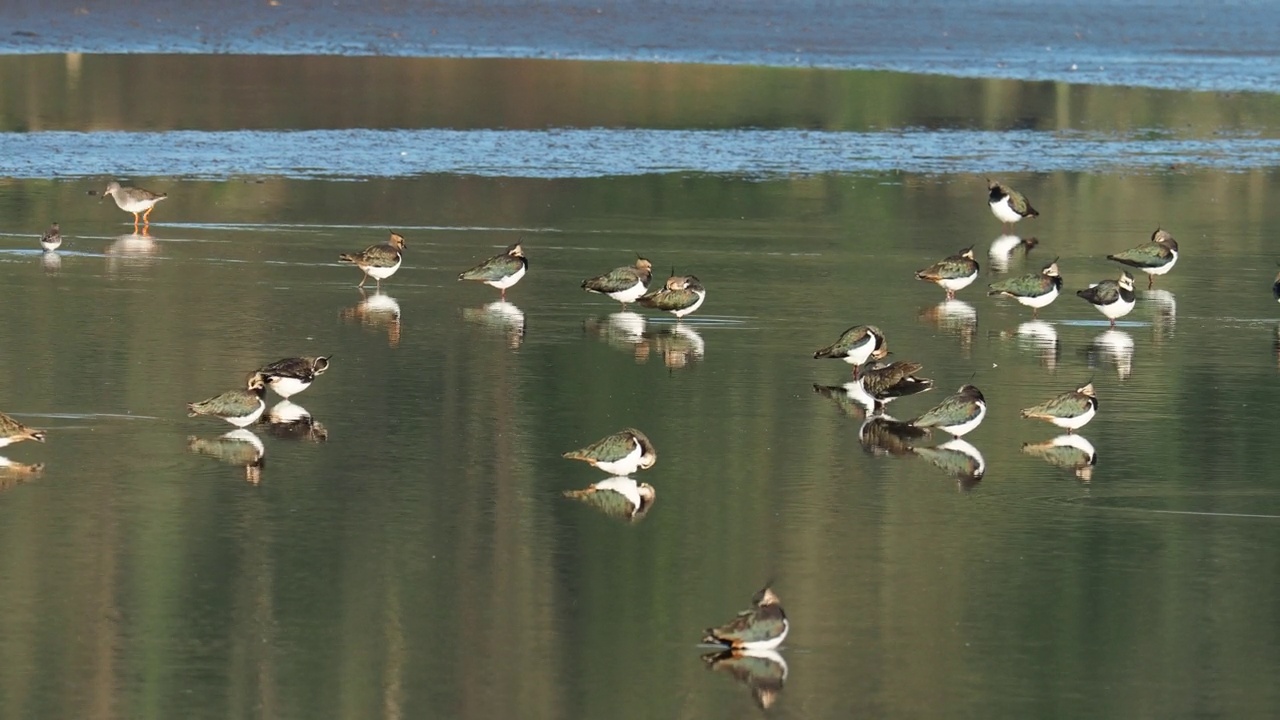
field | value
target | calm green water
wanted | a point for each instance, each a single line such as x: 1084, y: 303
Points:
x: 414, y: 557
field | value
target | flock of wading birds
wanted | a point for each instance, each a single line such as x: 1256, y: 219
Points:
x: 875, y: 382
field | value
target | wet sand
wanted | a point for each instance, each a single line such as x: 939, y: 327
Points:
x: 1178, y: 44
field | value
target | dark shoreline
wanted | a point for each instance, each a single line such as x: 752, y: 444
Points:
x: 1180, y: 45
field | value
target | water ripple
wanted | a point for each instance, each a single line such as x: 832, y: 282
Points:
x: 599, y: 152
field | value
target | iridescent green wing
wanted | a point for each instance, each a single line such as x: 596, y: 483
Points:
x: 495, y: 268
x: 1066, y: 405
x: 1023, y: 286
x: 384, y: 255
x: 234, y: 403
x: 616, y: 280
x: 669, y: 300
x: 756, y: 625
x: 954, y: 410
x: 607, y: 449
x: 1104, y: 293
x: 1150, y: 255
x: 1019, y: 203
x: 953, y: 267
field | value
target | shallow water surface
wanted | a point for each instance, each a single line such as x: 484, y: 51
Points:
x: 403, y: 548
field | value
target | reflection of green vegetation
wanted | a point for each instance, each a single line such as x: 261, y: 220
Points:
x: 422, y: 561
x: 218, y: 92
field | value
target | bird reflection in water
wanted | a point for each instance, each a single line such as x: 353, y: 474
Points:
x: 289, y: 421
x: 619, y: 497
x: 882, y: 435
x: 957, y: 458
x: 131, y: 251
x: 1070, y: 451
x: 377, y: 311
x: 679, y: 345
x: 620, y: 330
x: 499, y: 316
x: 1114, y: 346
x: 51, y: 261
x: 14, y: 473
x: 953, y: 317
x: 238, y: 447
x: 1165, y: 313
x: 1005, y: 247
x: 763, y: 671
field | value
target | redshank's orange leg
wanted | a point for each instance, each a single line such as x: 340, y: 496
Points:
x: 147, y: 214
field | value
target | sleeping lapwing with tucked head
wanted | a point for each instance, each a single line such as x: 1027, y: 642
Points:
x: 1153, y: 258
x: 290, y: 376
x: 763, y: 627
x: 621, y: 453
x: 1113, y: 298
x: 625, y: 284
x: 1070, y: 410
x: 884, y: 383
x: 856, y: 346
x: 500, y: 271
x: 378, y: 261
x: 1008, y: 205
x: 238, y: 407
x: 952, y: 274
x: 1034, y: 291
x: 680, y: 295
x: 958, y: 414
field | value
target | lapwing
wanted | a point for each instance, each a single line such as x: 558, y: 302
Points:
x: 763, y: 627
x: 378, y: 261
x: 621, y: 453
x: 1113, y: 298
x: 500, y: 271
x: 1153, y: 258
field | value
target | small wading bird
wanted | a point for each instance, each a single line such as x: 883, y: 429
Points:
x: 625, y: 284
x: 134, y: 200
x: 1071, y: 410
x: 1034, y: 291
x: 680, y: 296
x: 886, y: 383
x: 856, y: 346
x: 958, y: 415
x: 377, y: 261
x: 1153, y: 258
x: 1008, y: 205
x: 953, y: 273
x: 500, y: 271
x: 621, y: 453
x: 1113, y: 298
x: 290, y: 376
x: 763, y: 627
x: 52, y: 238
x: 12, y: 431
x: 238, y: 407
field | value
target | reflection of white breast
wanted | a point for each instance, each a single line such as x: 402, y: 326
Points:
x: 624, y: 486
x: 967, y: 448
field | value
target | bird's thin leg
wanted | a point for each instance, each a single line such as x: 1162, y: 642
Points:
x: 1151, y: 281
x: 503, y: 294
x: 135, y: 223
x: 366, y: 277
x: 951, y: 294
x: 147, y: 214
